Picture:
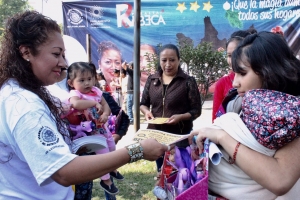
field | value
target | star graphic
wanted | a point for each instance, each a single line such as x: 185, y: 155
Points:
x: 181, y: 7
x: 207, y: 6
x: 194, y: 6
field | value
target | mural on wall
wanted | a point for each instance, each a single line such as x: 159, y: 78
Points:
x: 172, y: 21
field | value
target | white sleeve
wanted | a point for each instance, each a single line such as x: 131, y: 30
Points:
x: 38, y: 143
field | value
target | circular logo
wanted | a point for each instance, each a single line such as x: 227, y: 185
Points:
x: 47, y: 137
x: 75, y: 16
x: 96, y: 12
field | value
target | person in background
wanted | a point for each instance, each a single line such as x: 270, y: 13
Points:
x: 102, y: 82
x: 110, y: 59
x: 171, y: 94
x: 224, y: 84
x: 124, y: 82
x: 128, y: 67
x: 116, y: 84
x: 35, y: 144
x: 267, y: 78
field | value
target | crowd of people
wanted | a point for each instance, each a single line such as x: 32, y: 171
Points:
x: 256, y: 120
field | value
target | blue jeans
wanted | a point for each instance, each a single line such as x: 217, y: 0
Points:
x: 83, y: 191
x: 109, y: 196
x: 129, y: 106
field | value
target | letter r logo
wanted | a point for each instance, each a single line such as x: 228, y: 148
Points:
x: 123, y: 12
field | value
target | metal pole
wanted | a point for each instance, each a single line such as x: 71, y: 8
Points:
x: 136, y: 69
x: 88, y: 47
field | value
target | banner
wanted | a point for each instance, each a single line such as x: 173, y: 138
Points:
x: 172, y: 21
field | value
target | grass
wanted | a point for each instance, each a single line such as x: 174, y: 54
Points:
x: 138, y: 181
x: 137, y: 185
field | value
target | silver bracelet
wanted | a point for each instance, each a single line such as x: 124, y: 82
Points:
x: 135, y: 151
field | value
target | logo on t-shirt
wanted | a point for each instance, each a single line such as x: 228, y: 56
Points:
x: 47, y: 137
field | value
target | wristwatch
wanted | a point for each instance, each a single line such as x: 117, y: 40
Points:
x: 135, y: 151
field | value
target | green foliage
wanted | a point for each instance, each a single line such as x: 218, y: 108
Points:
x: 233, y: 19
x: 204, y: 63
x: 9, y: 8
x: 137, y: 185
x: 152, y: 64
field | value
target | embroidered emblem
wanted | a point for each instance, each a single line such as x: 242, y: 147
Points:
x: 47, y: 137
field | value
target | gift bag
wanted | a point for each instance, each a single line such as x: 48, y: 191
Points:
x: 182, y: 181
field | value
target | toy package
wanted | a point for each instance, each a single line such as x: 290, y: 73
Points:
x: 184, y: 177
x: 86, y: 122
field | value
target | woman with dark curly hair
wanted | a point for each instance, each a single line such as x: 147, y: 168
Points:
x: 35, y: 153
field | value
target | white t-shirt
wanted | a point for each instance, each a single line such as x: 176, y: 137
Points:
x: 124, y: 84
x: 59, y: 90
x: 31, y: 148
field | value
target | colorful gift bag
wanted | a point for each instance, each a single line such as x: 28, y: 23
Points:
x: 188, y: 189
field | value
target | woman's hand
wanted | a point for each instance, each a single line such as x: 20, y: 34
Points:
x: 103, y: 118
x: 213, y: 134
x: 174, y: 119
x: 99, y: 108
x: 124, y: 65
x: 153, y: 149
x: 148, y: 115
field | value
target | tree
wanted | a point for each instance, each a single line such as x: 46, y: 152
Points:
x: 9, y: 8
x: 204, y: 63
x: 152, y: 64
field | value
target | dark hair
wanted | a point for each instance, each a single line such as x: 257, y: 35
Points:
x: 270, y: 58
x: 131, y: 64
x: 102, y: 76
x: 168, y: 46
x: 107, y: 45
x: 123, y: 71
x: 80, y: 67
x: 32, y: 30
x: 116, y: 71
x: 239, y: 35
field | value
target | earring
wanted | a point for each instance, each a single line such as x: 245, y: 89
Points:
x: 27, y: 59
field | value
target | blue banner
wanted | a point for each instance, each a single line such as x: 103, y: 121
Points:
x: 172, y: 21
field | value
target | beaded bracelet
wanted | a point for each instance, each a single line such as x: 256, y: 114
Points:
x: 232, y: 160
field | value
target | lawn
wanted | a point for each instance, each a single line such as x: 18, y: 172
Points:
x: 137, y: 185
